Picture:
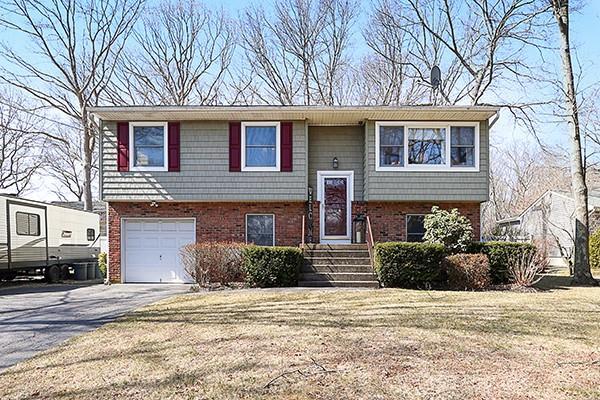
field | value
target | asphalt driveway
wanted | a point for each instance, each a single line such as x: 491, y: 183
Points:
x: 36, y: 317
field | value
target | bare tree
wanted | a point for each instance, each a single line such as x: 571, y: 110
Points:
x: 180, y: 54
x: 475, y: 43
x: 21, y: 145
x: 520, y: 172
x: 64, y: 164
x: 299, y: 55
x: 73, y: 45
x: 581, y: 266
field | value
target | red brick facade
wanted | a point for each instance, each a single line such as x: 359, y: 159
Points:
x: 226, y: 221
x: 214, y: 221
x: 388, y: 219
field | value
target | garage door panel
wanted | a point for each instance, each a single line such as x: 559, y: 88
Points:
x: 152, y: 249
x: 168, y: 227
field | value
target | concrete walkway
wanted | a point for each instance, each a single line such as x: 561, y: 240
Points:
x: 35, y: 317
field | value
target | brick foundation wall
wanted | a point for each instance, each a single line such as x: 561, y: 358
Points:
x: 226, y: 221
x: 214, y: 221
x: 388, y: 219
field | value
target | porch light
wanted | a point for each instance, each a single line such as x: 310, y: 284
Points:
x: 335, y: 163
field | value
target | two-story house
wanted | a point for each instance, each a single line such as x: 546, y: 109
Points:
x: 172, y: 175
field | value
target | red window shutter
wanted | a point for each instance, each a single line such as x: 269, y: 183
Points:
x: 235, y: 146
x: 286, y: 147
x: 174, y: 146
x: 123, y: 146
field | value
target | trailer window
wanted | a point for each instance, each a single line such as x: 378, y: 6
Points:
x: 28, y: 224
x: 91, y: 234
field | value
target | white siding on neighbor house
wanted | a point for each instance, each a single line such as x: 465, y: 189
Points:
x: 548, y: 220
x: 204, y: 175
x: 429, y: 185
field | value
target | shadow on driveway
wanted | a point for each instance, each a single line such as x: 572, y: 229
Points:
x: 36, y: 317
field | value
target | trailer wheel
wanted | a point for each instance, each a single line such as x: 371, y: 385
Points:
x: 52, y: 274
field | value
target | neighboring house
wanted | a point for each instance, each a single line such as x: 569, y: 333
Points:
x: 549, y: 221
x: 98, y: 207
x: 172, y: 175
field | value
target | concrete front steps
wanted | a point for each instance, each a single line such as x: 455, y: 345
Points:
x: 337, y: 265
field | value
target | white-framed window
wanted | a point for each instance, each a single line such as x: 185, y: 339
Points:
x: 148, y: 143
x: 462, y: 151
x: 260, y: 229
x: 261, y: 147
x: 426, y: 146
x: 415, y: 227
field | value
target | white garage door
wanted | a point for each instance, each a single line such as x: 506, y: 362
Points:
x: 152, y: 249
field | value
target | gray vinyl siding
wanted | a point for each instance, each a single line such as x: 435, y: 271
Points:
x: 344, y: 142
x: 426, y: 186
x: 204, y: 170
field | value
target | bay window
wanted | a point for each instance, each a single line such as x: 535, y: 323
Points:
x: 427, y: 146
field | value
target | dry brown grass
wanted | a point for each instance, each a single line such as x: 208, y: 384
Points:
x: 383, y: 344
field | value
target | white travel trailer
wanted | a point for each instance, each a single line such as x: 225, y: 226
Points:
x: 36, y: 236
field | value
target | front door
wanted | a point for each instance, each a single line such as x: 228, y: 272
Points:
x: 335, y: 192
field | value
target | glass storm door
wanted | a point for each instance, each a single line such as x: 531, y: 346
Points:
x: 335, y: 207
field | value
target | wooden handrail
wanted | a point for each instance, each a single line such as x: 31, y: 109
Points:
x: 303, y: 222
x: 370, y: 241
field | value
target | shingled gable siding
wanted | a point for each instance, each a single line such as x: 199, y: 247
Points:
x: 344, y: 142
x: 426, y: 186
x: 204, y: 175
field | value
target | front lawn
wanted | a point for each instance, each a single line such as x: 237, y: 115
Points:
x: 332, y: 344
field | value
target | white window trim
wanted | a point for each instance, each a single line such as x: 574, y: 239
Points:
x: 406, y: 223
x: 277, y: 166
x: 259, y: 214
x: 427, y: 124
x: 132, y: 166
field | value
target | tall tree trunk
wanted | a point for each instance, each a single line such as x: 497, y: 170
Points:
x: 88, y: 150
x: 581, y: 267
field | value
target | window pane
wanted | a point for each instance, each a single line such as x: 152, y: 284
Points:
x: 426, y: 145
x: 260, y: 157
x: 415, y: 228
x: 149, y: 135
x: 463, y: 156
x: 34, y: 224
x: 259, y: 229
x: 391, y: 135
x: 149, y: 156
x: 149, y: 146
x: 463, y: 135
x: 261, y: 136
x: 22, y: 223
x: 391, y: 156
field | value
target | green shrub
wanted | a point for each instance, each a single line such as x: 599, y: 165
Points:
x: 500, y: 255
x: 595, y: 250
x: 102, y: 263
x: 412, y: 265
x: 467, y: 271
x: 448, y: 228
x: 272, y: 266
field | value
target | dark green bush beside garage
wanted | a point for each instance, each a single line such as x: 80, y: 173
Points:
x: 409, y: 265
x: 272, y: 266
